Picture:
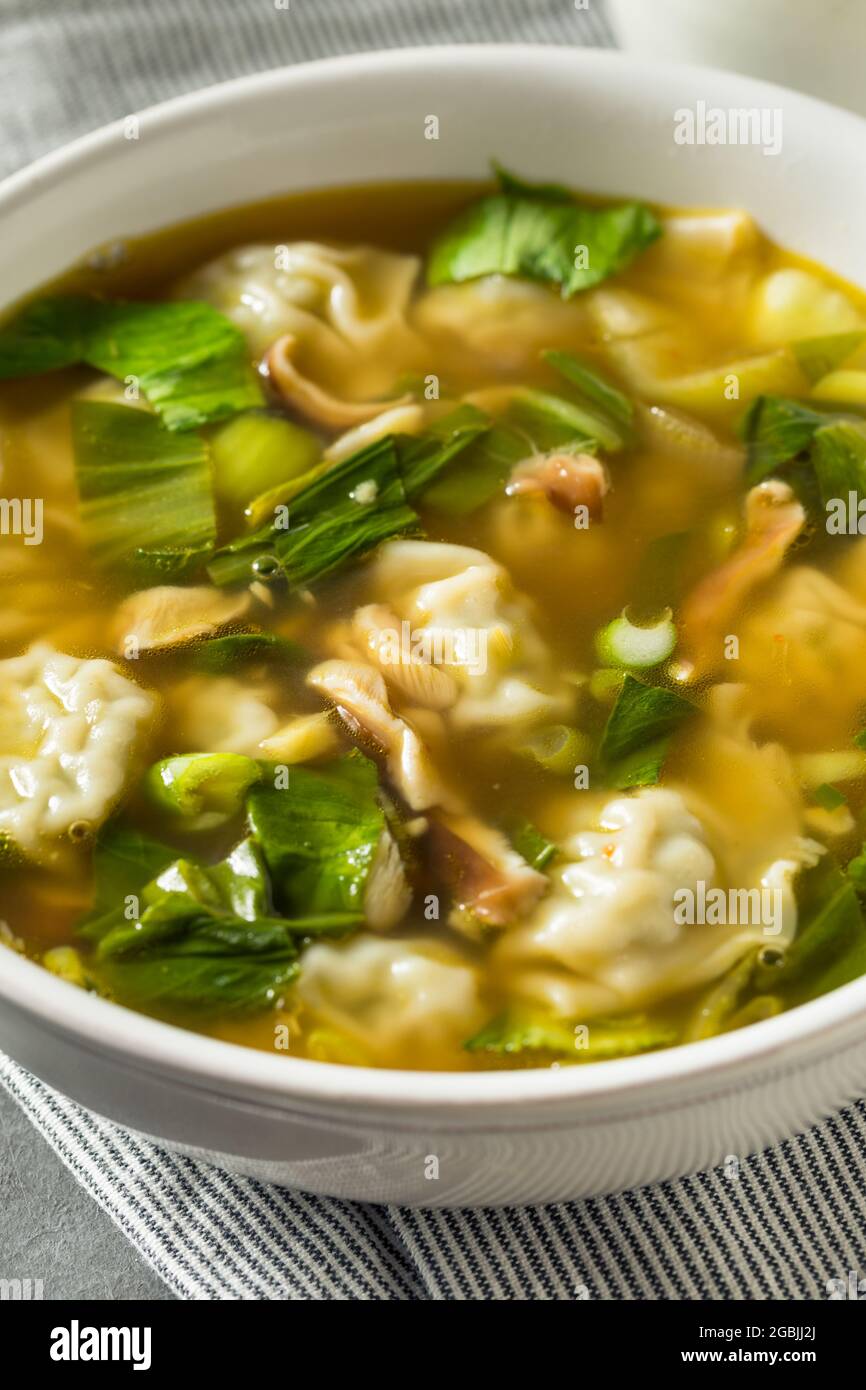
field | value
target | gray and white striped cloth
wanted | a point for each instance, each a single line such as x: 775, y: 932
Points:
x: 787, y: 1222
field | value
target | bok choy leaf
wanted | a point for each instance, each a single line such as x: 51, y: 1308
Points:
x: 423, y: 457
x: 638, y: 732
x: 829, y: 948
x: 775, y: 431
x: 541, y: 233
x: 339, y: 515
x: 146, y: 500
x: 319, y: 835
x: 189, y: 361
x: 542, y: 1037
x: 193, y: 938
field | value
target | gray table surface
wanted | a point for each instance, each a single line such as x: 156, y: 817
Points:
x: 51, y: 1230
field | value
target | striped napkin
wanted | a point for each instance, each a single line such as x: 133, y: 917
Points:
x: 778, y: 1226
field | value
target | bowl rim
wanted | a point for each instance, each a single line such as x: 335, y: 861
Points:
x: 149, y: 1043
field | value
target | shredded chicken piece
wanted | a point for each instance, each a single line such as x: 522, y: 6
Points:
x: 489, y: 879
x: 361, y: 699
x: 386, y: 642
x: 774, y: 520
x: 167, y: 616
x: 313, y: 401
x: 567, y: 480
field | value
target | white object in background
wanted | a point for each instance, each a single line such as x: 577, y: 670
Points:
x: 817, y: 46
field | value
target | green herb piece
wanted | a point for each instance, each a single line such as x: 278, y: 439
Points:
x: 541, y: 233
x: 594, y: 390
x: 638, y: 732
x: 189, y: 361
x: 519, y: 1034
x: 531, y: 845
x: 828, y: 797
x: 144, y: 491
x: 319, y: 835
x: 340, y: 515
x: 819, y: 356
x: 830, y: 946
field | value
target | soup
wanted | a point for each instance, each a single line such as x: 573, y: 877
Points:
x: 434, y: 626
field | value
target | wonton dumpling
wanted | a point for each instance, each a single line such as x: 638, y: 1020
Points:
x: 218, y: 714
x: 401, y: 1000
x: 791, y: 303
x: 503, y: 321
x: 462, y: 609
x: 346, y: 307
x: 607, y: 937
x: 69, y: 732
x: 804, y: 648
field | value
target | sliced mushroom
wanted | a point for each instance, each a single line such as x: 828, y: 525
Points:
x: 492, y: 884
x: 387, y: 643
x: 387, y: 895
x: 361, y: 699
x: 774, y: 520
x: 568, y: 481
x: 167, y: 616
x: 313, y: 401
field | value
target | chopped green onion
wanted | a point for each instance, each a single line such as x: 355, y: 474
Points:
x: 255, y: 452
x: 557, y: 748
x: 630, y: 646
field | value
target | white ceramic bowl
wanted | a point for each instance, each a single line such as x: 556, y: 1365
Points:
x: 601, y: 122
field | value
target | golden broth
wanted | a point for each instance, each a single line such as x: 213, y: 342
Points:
x: 577, y: 580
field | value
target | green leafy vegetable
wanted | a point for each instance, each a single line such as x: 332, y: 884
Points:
x: 340, y: 515
x: 717, y: 1006
x: 776, y: 431
x: 541, y: 233
x: 145, y: 493
x: 202, y: 789
x: 319, y: 835
x: 839, y: 459
x: 830, y: 946
x: 829, y: 797
x: 593, y: 390
x: 205, y: 939
x: 235, y: 649
x: 552, y: 422
x: 481, y: 472
x: 601, y: 1040
x: 424, y: 457
x: 189, y: 361
x: 529, y: 842
x: 638, y: 732
x: 819, y: 356
x: 124, y: 861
